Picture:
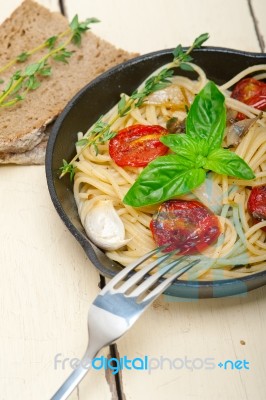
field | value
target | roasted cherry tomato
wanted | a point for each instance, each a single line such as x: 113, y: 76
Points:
x: 257, y: 204
x: 252, y: 92
x: 137, y: 145
x: 188, y: 226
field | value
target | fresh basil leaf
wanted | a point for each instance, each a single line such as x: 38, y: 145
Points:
x: 163, y: 178
x: 225, y: 162
x: 207, y: 116
x: 185, y: 145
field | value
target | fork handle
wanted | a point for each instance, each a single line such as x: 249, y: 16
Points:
x: 75, y: 378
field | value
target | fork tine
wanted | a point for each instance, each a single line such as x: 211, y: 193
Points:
x: 125, y: 271
x: 140, y: 274
x: 154, y: 277
x: 163, y: 285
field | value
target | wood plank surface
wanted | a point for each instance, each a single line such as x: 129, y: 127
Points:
x: 206, y: 328
x: 47, y: 283
x: 258, y: 8
x: 148, y: 25
x: 181, y: 338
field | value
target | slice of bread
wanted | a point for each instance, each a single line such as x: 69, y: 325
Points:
x: 22, y: 126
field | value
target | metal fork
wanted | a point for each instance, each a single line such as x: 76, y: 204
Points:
x: 119, y: 304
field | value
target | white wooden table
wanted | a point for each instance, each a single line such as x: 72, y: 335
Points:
x: 47, y: 283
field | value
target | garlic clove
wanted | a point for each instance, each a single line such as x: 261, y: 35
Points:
x: 173, y: 94
x: 104, y: 226
x: 210, y: 194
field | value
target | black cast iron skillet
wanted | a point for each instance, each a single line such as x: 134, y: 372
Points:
x: 98, y: 97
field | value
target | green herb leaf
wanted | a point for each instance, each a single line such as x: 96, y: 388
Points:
x: 45, y: 71
x: 95, y: 149
x: 207, y: 116
x: 99, y: 126
x: 225, y: 162
x: 18, y: 87
x: 23, y: 57
x: 2, y: 81
x: 186, y: 67
x: 164, y: 178
x: 20, y: 97
x: 178, y: 51
x: 74, y: 24
x: 82, y: 142
x: 78, y: 28
x: 63, y: 56
x: 186, y: 58
x: 198, y: 42
x: 108, y: 134
x: 68, y: 168
x: 17, y: 75
x: 180, y: 56
x: 123, y: 107
x: 31, y: 69
x: 84, y: 26
x: 100, y: 133
x: 50, y: 42
x: 185, y: 145
x: 157, y: 82
x: 32, y: 82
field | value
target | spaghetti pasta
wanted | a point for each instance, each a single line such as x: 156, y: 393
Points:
x: 241, y: 247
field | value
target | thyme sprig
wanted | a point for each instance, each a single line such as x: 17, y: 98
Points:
x: 102, y: 131
x: 25, y: 55
x: 28, y: 79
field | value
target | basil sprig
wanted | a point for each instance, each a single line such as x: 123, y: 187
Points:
x: 196, y: 152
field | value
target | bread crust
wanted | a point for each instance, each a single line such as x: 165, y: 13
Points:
x: 22, y: 126
x: 35, y: 156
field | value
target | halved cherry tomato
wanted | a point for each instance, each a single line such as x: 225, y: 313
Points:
x: 257, y: 204
x: 188, y: 226
x: 137, y: 145
x: 252, y: 92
